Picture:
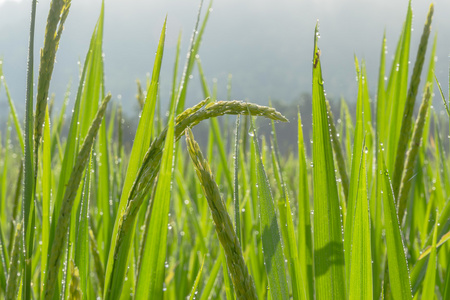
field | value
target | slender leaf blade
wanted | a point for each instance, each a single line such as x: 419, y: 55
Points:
x: 398, y: 266
x: 328, y: 246
x: 361, y: 283
x: 270, y: 233
x: 152, y: 270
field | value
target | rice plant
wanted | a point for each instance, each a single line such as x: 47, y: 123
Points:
x: 366, y: 216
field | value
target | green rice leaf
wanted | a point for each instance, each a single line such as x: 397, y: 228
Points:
x: 406, y: 124
x: 338, y: 151
x: 418, y: 272
x: 287, y: 231
x: 98, y: 267
x: 376, y: 209
x: 328, y: 247
x: 151, y: 273
x: 104, y: 186
x: 215, y: 128
x: 446, y: 294
x: 140, y: 146
x: 429, y: 283
x: 190, y: 61
x: 427, y: 250
x: 361, y: 283
x: 408, y: 170
x: 271, y: 240
x: 14, y: 274
x: 29, y: 180
x: 197, y: 280
x: 228, y: 285
x: 82, y: 116
x: 82, y: 257
x: 305, y: 242
x: 354, y: 175
x: 13, y: 112
x: 211, y: 279
x: 398, y: 267
x: 46, y: 195
x: 397, y: 89
x: 381, y: 97
x: 237, y: 210
x: 58, y: 12
x: 57, y: 246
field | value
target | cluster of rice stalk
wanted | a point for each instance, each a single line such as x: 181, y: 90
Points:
x: 367, y: 216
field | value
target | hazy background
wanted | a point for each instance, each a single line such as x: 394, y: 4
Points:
x: 266, y: 45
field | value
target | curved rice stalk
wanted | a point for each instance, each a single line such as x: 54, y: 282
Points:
x: 242, y: 280
x: 152, y: 161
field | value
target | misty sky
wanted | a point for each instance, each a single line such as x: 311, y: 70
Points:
x: 266, y: 45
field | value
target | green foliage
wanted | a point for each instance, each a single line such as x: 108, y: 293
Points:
x: 157, y: 221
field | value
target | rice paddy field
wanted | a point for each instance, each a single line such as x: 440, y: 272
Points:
x: 360, y: 211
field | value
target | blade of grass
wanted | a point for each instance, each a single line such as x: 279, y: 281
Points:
x: 141, y: 144
x: 242, y: 281
x: 361, y: 283
x: 305, y: 241
x: 215, y: 128
x: 397, y: 88
x: 427, y: 250
x: 190, y: 59
x: 419, y: 269
x: 151, y: 273
x: 237, y: 210
x: 98, y: 267
x: 398, y: 267
x: 227, y: 282
x: 338, y: 151
x: 328, y: 246
x: 82, y: 257
x: 429, y: 283
x: 211, y: 279
x: 104, y: 195
x: 405, y: 131
x: 408, y: 169
x: 13, y: 283
x: 354, y: 175
x: 376, y: 212
x: 197, y: 280
x: 349, y: 134
x: 381, y: 98
x: 20, y: 135
x: 270, y: 233
x: 79, y: 117
x: 69, y: 197
x: 27, y: 199
x: 58, y: 12
x: 46, y: 195
x: 287, y: 231
x: 446, y: 294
